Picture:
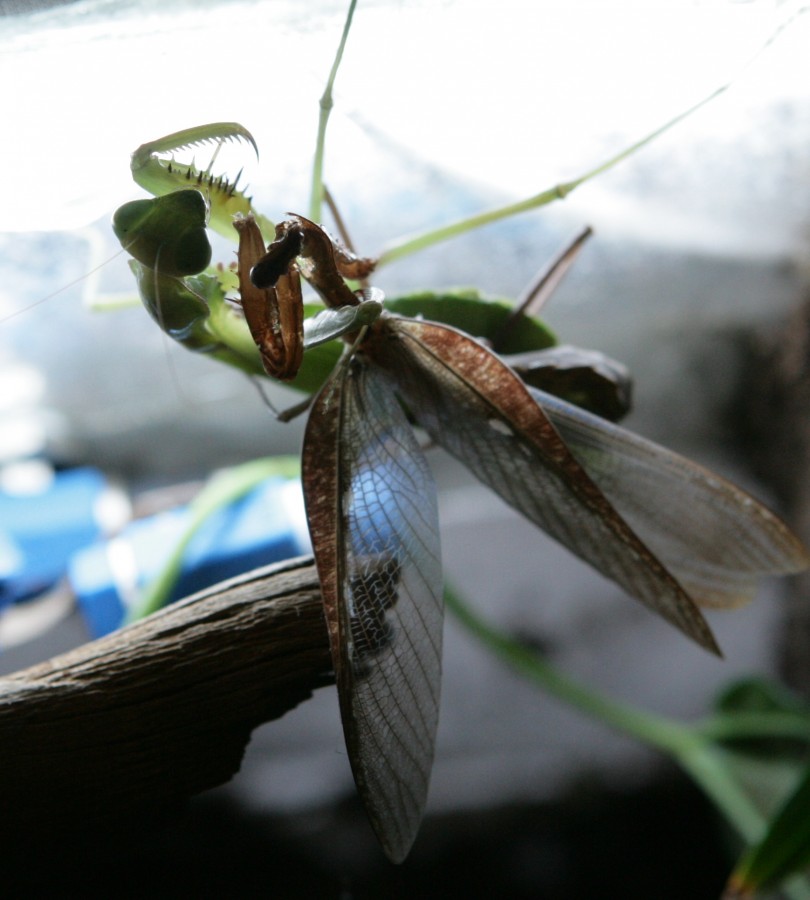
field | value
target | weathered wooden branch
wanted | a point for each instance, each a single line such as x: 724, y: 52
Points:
x: 131, y: 725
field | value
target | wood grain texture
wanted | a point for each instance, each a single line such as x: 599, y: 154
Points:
x: 131, y: 725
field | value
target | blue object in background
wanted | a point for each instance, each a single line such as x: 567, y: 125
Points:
x: 265, y: 526
x: 41, y: 528
x: 11, y: 565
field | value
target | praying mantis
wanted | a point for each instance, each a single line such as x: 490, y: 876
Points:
x: 671, y: 534
x: 188, y: 301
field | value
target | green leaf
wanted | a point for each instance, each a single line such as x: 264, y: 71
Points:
x: 760, y: 718
x: 760, y: 695
x: 785, y: 848
x: 479, y: 316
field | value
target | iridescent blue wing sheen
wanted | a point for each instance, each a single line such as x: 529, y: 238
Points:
x: 371, y: 505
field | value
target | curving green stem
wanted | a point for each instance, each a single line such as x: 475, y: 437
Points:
x: 690, y: 746
x: 411, y: 244
x: 326, y: 103
x: 223, y: 489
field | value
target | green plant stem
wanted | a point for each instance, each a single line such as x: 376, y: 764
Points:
x: 407, y: 245
x: 656, y: 730
x: 702, y: 760
x: 326, y: 103
x: 745, y: 726
x: 223, y: 489
x: 411, y: 244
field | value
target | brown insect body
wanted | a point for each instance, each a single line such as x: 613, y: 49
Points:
x: 279, y: 256
x: 670, y: 533
x: 274, y: 313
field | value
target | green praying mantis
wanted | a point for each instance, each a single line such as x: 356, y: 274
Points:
x: 189, y: 299
x: 670, y: 533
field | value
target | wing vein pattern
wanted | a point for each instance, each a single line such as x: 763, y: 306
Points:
x: 375, y: 527
x: 474, y: 406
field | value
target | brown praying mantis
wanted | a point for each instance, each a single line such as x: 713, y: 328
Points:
x: 671, y: 534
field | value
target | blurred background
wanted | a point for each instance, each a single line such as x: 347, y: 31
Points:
x: 441, y: 109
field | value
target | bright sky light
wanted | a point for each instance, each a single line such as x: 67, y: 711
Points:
x: 514, y: 94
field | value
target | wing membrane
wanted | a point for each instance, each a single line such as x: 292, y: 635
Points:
x: 478, y: 409
x: 371, y: 504
x: 715, y: 538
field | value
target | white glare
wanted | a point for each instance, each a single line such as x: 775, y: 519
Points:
x: 512, y: 93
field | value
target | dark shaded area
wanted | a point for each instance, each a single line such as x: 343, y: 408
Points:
x: 770, y: 409
x: 132, y: 724
x: 662, y: 841
x: 771, y: 416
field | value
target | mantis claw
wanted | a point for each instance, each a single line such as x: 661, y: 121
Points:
x: 155, y: 169
x: 274, y: 312
x: 188, y: 138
